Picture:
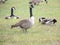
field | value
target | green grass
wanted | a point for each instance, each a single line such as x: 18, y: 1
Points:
x: 37, y: 35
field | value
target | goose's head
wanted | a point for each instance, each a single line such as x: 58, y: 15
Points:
x: 13, y: 8
x: 41, y: 19
x: 54, y: 20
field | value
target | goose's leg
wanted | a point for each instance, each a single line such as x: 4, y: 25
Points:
x: 24, y: 30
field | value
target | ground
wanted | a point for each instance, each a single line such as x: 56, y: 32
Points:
x: 38, y: 34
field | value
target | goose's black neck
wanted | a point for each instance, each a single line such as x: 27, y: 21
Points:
x: 12, y: 12
x: 31, y: 12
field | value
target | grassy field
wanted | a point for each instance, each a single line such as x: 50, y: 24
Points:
x: 37, y: 35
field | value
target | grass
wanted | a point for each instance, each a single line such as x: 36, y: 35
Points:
x: 37, y: 35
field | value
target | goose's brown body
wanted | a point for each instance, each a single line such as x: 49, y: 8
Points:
x: 24, y: 24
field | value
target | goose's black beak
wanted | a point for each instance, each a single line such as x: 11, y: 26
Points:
x: 12, y: 26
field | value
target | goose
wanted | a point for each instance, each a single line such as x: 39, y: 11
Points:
x: 43, y: 20
x: 36, y: 2
x: 25, y: 23
x: 12, y: 14
x: 2, y: 1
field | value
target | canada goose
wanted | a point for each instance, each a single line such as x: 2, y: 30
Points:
x: 47, y: 21
x: 36, y: 2
x: 2, y: 1
x: 12, y: 14
x: 25, y: 23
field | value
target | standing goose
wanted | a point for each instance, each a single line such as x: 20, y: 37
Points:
x: 26, y: 23
x: 12, y: 14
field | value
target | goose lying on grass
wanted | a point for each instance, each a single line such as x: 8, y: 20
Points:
x: 12, y: 14
x: 43, y: 20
